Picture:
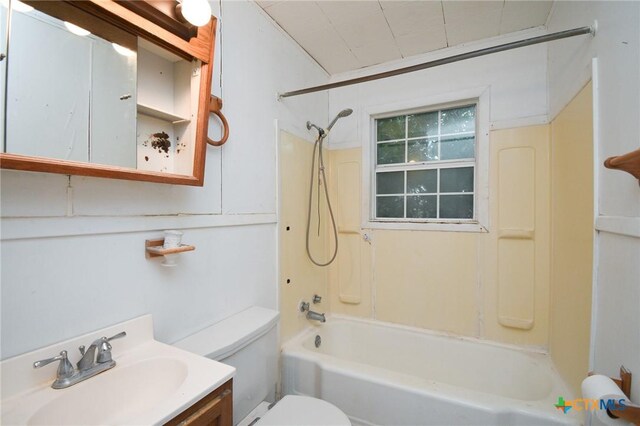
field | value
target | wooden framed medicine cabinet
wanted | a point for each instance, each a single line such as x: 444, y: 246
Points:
x: 147, y: 123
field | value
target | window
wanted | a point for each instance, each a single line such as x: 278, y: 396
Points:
x: 425, y: 166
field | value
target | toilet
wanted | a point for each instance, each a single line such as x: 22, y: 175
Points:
x: 248, y: 341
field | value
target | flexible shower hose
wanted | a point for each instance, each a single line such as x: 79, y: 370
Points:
x: 318, y: 147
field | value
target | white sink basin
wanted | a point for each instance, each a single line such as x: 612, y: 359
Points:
x: 151, y: 383
x: 106, y: 397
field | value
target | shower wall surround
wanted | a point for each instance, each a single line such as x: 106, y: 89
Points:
x: 299, y: 278
x: 459, y: 282
x: 448, y: 281
x: 615, y: 338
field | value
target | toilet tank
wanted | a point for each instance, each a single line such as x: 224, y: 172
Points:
x: 247, y: 341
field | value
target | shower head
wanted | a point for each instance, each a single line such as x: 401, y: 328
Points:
x: 344, y: 113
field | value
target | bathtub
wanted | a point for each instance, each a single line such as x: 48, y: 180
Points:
x: 384, y: 374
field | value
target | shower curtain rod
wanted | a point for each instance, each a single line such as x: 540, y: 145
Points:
x: 455, y: 58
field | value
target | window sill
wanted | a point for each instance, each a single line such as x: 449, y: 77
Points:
x: 428, y: 226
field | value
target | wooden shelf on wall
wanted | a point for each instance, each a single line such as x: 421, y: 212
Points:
x: 155, y: 248
x: 629, y: 163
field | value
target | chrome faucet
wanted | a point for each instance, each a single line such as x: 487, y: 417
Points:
x: 89, y: 359
x: 311, y: 315
x: 89, y: 365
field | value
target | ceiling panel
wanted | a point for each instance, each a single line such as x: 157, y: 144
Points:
x: 477, y: 21
x: 517, y: 15
x: 369, y: 28
x: 298, y: 17
x: 377, y: 53
x: 414, y: 17
x: 419, y: 42
x: 347, y: 35
x: 348, y: 11
x: 417, y: 26
x: 330, y: 50
x: 462, y: 10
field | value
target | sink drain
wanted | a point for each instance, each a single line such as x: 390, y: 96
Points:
x: 318, y: 341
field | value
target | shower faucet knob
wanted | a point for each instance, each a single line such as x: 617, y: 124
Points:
x: 316, y: 299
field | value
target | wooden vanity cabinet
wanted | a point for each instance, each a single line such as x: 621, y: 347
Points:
x: 215, y: 409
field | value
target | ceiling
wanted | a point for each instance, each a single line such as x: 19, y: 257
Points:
x: 347, y: 35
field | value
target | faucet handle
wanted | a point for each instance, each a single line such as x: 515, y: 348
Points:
x: 104, y: 351
x: 117, y: 336
x: 65, y: 369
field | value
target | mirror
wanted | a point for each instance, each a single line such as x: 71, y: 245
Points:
x: 75, y: 82
x: 95, y: 95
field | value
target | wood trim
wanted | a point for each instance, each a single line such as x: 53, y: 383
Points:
x: 202, y: 128
x: 209, y: 413
x: 68, y: 12
x: 113, y: 16
x: 52, y: 165
x: 219, y: 404
x: 154, y: 248
x: 116, y: 14
x: 162, y: 13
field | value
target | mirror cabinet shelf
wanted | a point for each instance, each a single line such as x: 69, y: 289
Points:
x: 161, y: 114
x: 107, y: 88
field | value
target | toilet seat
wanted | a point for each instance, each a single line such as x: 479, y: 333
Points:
x: 294, y: 410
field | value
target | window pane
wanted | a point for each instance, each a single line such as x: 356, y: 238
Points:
x: 459, y: 179
x: 390, y: 128
x: 421, y: 206
x: 421, y: 181
x: 390, y: 183
x: 458, y: 120
x: 423, y: 150
x: 456, y: 206
x: 454, y: 147
x: 389, y: 206
x: 425, y: 124
x: 389, y: 153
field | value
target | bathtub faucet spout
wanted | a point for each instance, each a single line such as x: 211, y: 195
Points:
x: 304, y: 307
x: 316, y: 316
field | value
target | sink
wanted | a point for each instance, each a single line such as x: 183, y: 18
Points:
x: 151, y: 383
x: 120, y: 392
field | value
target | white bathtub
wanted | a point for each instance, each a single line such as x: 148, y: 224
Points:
x: 382, y: 374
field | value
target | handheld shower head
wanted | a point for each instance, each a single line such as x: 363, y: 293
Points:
x: 322, y: 132
x: 344, y: 113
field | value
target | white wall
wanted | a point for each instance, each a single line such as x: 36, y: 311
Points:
x: 73, y: 258
x: 616, y: 321
x: 517, y: 81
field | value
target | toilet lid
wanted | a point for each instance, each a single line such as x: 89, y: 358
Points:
x: 294, y: 410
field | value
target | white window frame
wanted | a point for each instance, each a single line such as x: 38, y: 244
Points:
x: 480, y: 223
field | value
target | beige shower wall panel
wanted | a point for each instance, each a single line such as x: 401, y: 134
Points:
x: 305, y: 278
x: 515, y: 254
x: 427, y: 279
x: 572, y: 245
x: 449, y: 281
x: 350, y: 278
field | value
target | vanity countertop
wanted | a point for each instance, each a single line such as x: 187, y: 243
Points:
x: 151, y: 383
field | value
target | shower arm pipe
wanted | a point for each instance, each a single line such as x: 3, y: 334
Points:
x: 451, y: 59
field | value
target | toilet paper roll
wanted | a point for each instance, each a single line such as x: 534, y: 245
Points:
x: 603, y: 388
